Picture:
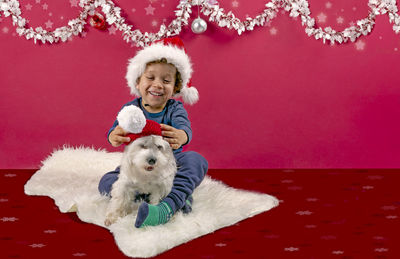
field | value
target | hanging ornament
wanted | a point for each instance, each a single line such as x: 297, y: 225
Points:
x: 199, y: 25
x: 97, y: 21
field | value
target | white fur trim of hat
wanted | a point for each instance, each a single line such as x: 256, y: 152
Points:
x: 173, y: 51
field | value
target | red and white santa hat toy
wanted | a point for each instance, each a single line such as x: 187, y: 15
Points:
x: 132, y: 120
x: 173, y: 51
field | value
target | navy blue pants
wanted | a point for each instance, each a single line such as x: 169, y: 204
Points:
x: 192, y: 167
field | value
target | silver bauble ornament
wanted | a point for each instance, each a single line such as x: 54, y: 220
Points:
x: 199, y: 25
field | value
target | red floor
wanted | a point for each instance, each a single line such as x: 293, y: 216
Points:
x: 323, y: 214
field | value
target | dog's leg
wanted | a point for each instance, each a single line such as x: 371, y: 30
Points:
x: 134, y: 206
x: 154, y: 198
x: 119, y: 204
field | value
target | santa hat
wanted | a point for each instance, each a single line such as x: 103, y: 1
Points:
x: 132, y: 120
x: 173, y: 51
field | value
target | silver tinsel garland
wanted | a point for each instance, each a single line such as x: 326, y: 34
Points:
x: 216, y: 14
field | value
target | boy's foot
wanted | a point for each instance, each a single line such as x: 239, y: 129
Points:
x: 187, y: 208
x: 153, y: 215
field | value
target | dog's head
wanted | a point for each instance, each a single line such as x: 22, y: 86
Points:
x: 148, y: 154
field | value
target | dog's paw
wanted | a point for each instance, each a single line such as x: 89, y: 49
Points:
x: 110, y: 219
x: 108, y: 222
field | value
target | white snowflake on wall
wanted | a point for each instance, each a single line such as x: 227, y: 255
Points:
x: 235, y: 4
x: 49, y: 24
x: 149, y: 10
x: 328, y: 5
x: 322, y: 17
x: 74, y: 3
x: 112, y: 30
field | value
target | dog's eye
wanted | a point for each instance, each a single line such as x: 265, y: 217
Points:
x: 160, y: 147
x: 143, y: 146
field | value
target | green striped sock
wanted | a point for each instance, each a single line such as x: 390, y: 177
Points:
x: 153, y: 215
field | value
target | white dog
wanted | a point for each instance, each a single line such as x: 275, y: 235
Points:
x: 148, y: 167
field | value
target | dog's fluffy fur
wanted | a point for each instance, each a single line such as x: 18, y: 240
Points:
x: 148, y: 167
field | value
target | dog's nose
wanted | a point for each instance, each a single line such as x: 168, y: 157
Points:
x: 151, y: 161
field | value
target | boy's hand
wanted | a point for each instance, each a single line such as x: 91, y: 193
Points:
x: 175, y: 137
x: 117, y: 137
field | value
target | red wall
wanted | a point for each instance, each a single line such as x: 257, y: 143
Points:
x: 266, y: 101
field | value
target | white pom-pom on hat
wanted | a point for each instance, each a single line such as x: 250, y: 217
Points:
x: 189, y: 95
x: 131, y: 119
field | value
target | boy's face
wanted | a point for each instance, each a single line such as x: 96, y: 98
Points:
x: 156, y: 85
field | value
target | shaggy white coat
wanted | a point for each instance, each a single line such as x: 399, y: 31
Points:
x: 70, y: 176
x: 138, y: 176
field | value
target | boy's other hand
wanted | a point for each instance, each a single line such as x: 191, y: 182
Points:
x: 117, y: 137
x: 175, y: 137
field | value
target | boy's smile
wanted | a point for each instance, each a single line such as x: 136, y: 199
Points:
x: 155, y: 93
x: 156, y: 86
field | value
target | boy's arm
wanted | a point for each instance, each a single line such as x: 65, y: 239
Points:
x: 180, y: 120
x: 111, y: 129
x: 115, y: 124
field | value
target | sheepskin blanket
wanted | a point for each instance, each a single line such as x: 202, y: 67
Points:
x: 71, y: 175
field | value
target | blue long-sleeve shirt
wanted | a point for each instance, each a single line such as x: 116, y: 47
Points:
x: 173, y: 114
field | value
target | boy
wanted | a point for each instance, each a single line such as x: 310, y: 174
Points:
x: 157, y: 73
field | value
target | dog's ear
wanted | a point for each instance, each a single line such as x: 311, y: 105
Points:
x: 128, y: 153
x: 167, y: 146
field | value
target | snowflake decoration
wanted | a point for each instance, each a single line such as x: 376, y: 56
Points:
x: 149, y: 10
x: 49, y: 24
x: 8, y: 219
x: 112, y: 30
x: 360, y: 45
x: 235, y: 4
x: 322, y: 18
x: 328, y: 5
x: 74, y: 3
x: 37, y: 245
x: 304, y: 213
x: 291, y: 249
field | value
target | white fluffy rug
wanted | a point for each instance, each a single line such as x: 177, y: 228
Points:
x: 70, y: 176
